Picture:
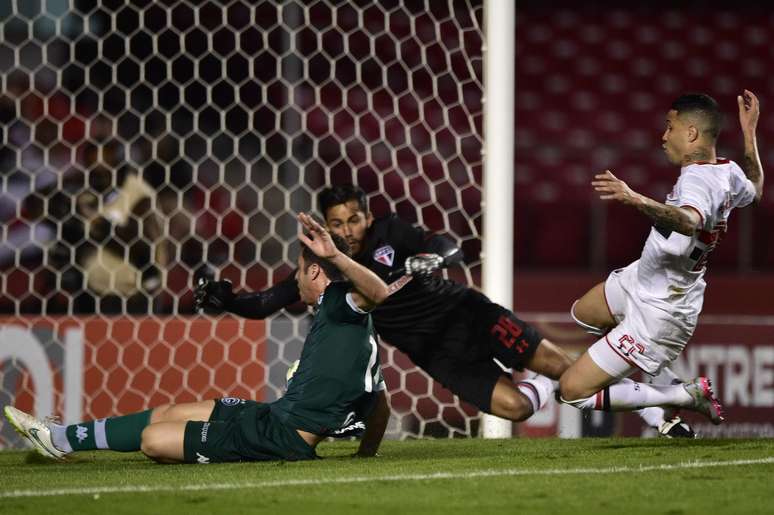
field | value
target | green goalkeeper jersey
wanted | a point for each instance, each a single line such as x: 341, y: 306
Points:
x: 334, y: 388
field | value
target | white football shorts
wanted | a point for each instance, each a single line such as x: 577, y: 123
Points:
x: 648, y: 337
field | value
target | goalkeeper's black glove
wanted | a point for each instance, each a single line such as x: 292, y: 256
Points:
x: 423, y: 264
x: 212, y: 295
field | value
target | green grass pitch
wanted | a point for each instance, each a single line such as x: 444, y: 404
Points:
x: 470, y: 476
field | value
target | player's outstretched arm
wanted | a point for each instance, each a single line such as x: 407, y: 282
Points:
x: 375, y: 427
x: 261, y: 304
x: 218, y: 296
x: 674, y: 218
x: 749, y: 112
x: 368, y: 288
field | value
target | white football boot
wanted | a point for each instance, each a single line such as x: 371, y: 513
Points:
x: 35, y: 431
x: 704, y: 399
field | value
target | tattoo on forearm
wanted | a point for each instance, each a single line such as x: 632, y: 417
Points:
x: 671, y: 218
x: 751, y: 165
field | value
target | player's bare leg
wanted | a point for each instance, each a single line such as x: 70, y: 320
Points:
x: 586, y: 386
x: 519, y: 401
x: 163, y: 441
x: 583, y: 379
x: 508, y: 402
x: 182, y: 412
x: 123, y: 433
x: 592, y: 309
x: 589, y: 314
x: 549, y: 360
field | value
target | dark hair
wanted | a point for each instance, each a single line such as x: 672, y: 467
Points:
x: 341, y: 194
x: 705, y: 107
x: 329, y: 268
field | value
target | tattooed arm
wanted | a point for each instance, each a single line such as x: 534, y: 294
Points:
x: 749, y: 111
x: 679, y: 219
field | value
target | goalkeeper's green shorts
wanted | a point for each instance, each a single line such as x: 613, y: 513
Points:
x: 243, y: 430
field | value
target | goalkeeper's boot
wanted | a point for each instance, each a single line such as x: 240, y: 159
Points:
x: 704, y: 401
x: 676, y: 428
x: 35, y: 431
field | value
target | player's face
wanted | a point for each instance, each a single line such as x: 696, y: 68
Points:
x: 350, y: 222
x: 675, y: 138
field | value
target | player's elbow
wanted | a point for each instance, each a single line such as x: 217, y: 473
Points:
x: 686, y: 229
x: 689, y: 222
x: 758, y: 193
x: 380, y: 294
x: 369, y: 299
x: 375, y: 295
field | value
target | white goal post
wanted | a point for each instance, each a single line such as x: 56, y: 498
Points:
x: 499, y: 109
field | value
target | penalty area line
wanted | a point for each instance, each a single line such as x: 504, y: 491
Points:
x: 371, y: 479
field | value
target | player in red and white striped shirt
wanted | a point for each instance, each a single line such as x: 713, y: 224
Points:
x: 648, y: 310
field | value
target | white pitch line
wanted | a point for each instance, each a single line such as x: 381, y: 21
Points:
x: 360, y: 479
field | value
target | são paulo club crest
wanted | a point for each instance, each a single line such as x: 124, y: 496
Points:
x: 385, y: 255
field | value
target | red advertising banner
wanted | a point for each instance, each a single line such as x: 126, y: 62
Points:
x: 93, y: 367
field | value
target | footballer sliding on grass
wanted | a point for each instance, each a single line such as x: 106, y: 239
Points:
x: 336, y: 391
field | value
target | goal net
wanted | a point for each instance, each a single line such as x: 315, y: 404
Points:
x: 146, y: 141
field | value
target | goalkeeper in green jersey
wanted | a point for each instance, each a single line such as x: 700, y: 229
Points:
x: 337, y: 389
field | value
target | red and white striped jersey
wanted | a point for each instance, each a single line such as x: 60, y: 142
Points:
x: 672, y: 264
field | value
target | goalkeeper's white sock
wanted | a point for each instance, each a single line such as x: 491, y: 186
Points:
x: 537, y: 389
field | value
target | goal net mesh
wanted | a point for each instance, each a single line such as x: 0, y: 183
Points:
x: 145, y: 141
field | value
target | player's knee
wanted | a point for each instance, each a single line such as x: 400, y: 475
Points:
x: 151, y: 442
x: 512, y: 405
x: 572, y: 392
x: 559, y: 363
x: 582, y: 403
x: 549, y: 360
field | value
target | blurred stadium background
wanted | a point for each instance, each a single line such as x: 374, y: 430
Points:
x: 144, y: 141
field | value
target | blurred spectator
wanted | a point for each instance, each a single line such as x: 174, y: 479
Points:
x: 111, y: 249
x: 22, y: 169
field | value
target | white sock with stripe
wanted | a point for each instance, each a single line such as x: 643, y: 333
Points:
x: 630, y: 395
x: 537, y: 389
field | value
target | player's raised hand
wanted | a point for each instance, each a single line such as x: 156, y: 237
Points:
x: 314, y: 236
x: 749, y: 111
x: 611, y: 187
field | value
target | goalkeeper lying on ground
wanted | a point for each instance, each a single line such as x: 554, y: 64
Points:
x: 337, y: 390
